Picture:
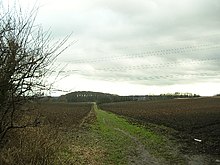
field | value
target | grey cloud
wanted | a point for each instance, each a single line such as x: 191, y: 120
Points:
x: 150, y: 42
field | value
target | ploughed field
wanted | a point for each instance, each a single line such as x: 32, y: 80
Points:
x: 63, y: 115
x: 196, y: 121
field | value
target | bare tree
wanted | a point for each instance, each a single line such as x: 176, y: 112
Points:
x: 26, y: 57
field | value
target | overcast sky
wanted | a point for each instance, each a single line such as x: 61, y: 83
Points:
x: 136, y: 46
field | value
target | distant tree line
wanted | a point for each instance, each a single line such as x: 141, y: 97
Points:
x: 98, y: 97
x: 180, y: 95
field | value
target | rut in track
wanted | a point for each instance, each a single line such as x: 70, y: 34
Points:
x: 142, y: 156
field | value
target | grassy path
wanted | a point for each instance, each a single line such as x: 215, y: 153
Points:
x: 113, y: 140
x: 126, y: 143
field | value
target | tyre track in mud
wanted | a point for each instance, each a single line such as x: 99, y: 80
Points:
x: 141, y: 156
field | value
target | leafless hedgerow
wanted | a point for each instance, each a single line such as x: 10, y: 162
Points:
x: 27, y: 55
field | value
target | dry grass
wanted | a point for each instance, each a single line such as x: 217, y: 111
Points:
x: 36, y: 145
x: 78, y: 154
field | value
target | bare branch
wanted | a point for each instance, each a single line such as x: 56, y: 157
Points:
x: 26, y: 58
